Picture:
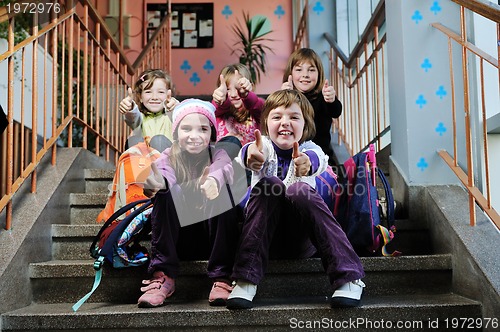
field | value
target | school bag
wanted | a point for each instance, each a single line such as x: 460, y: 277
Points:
x: 327, y: 187
x: 359, y: 208
x: 132, y: 170
x: 118, y: 241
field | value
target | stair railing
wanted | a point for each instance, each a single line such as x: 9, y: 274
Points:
x: 360, y: 83
x: 487, y: 63
x: 65, y: 77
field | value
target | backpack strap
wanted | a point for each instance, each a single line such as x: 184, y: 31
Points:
x: 388, y: 234
x: 97, y: 281
x: 101, y: 255
x: 113, y: 217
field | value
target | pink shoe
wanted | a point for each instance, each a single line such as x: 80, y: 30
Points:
x: 219, y: 293
x: 157, y: 290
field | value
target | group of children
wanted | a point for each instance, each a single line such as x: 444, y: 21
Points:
x: 283, y: 143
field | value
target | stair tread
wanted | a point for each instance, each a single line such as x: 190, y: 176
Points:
x: 276, y: 311
x: 84, y: 268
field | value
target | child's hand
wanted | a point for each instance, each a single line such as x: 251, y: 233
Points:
x: 243, y: 86
x: 208, y: 185
x: 219, y: 95
x: 255, y: 153
x: 154, y: 182
x: 127, y: 103
x: 301, y: 161
x: 288, y: 85
x: 328, y: 92
x: 170, y: 102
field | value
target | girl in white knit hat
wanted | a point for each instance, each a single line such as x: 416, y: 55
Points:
x: 194, y: 214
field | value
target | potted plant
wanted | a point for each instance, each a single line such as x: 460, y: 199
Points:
x: 250, y: 47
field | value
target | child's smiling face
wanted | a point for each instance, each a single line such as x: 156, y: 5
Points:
x: 194, y: 133
x: 285, y: 126
x: 154, y: 97
x: 304, y: 76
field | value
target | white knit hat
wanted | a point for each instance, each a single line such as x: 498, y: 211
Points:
x: 192, y: 105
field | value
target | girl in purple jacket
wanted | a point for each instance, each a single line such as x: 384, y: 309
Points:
x: 194, y: 214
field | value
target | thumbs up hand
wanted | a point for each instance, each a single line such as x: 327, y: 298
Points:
x: 328, y: 92
x: 288, y: 85
x: 301, y: 161
x: 170, y: 102
x: 127, y: 103
x: 154, y: 182
x: 255, y: 153
x: 208, y: 185
x: 219, y: 95
x: 243, y: 85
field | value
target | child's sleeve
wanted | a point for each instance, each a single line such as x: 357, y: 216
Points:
x: 316, y: 155
x: 254, y: 104
x: 165, y: 168
x: 133, y: 119
x: 222, y: 109
x: 221, y: 168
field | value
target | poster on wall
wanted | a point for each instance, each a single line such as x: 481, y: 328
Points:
x: 192, y: 24
x: 155, y: 12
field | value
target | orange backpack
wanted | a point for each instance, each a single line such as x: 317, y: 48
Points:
x: 132, y: 170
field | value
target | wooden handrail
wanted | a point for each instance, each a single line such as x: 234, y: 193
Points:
x: 484, y: 8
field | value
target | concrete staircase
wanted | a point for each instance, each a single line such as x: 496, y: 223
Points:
x: 407, y: 293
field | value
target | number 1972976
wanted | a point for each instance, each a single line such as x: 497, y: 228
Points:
x: 33, y: 7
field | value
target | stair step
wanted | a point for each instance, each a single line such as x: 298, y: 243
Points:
x: 73, y: 241
x: 417, y: 312
x: 85, y: 207
x: 305, y: 277
x: 97, y: 180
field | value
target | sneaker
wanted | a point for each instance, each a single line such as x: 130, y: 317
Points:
x: 347, y: 295
x: 219, y: 293
x: 242, y: 296
x: 157, y: 290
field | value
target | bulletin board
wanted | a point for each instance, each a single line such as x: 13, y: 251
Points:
x: 192, y: 25
x: 155, y: 12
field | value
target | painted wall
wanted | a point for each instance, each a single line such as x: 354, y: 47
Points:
x: 195, y: 71
x: 420, y: 89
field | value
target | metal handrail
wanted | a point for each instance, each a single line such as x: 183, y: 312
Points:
x: 366, y: 119
x: 78, y: 76
x: 482, y: 198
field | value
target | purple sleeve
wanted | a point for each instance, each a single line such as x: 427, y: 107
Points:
x: 221, y: 168
x: 313, y: 157
x: 165, y: 168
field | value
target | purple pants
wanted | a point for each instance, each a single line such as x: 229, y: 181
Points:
x: 282, y: 223
x: 214, y: 239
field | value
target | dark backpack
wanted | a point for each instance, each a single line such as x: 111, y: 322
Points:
x: 359, y: 208
x: 118, y: 241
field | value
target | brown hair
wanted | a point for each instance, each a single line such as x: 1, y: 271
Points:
x: 242, y: 114
x: 300, y: 56
x: 145, y: 81
x: 286, y: 98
